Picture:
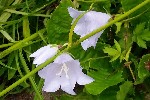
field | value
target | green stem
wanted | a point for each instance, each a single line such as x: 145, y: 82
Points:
x: 24, y: 13
x: 20, y: 44
x: 132, y: 73
x: 72, y: 28
x: 112, y: 22
x: 79, y: 41
x: 6, y: 45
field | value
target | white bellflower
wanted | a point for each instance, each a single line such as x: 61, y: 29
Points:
x: 63, y: 73
x: 89, y: 22
x: 44, y: 53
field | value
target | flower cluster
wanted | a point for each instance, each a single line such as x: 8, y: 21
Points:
x: 65, y: 72
x: 89, y: 22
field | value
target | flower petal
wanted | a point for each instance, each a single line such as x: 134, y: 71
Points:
x: 91, y: 41
x: 73, y: 12
x: 51, y: 85
x: 76, y: 71
x: 63, y: 58
x: 66, y: 85
x: 49, y: 71
x: 39, y: 51
x: 52, y: 81
x: 91, y: 21
x: 84, y: 79
x: 48, y: 53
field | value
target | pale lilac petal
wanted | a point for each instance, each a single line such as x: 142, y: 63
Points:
x: 91, y: 21
x: 63, y: 58
x: 48, y: 53
x: 91, y: 41
x: 84, y: 79
x: 67, y: 86
x: 52, y: 81
x: 49, y: 71
x: 74, y: 13
x: 40, y: 51
x: 76, y: 71
x: 52, y: 85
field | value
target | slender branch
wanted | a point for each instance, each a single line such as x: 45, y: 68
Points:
x: 26, y: 14
x: 132, y: 73
x: 6, y: 45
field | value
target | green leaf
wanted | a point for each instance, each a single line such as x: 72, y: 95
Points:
x: 141, y: 35
x: 118, y: 24
x: 127, y: 5
x: 92, y: 58
x: 109, y: 93
x: 124, y: 89
x: 26, y: 29
x: 127, y: 54
x: 11, y: 73
x: 113, y: 52
x: 103, y: 80
x: 59, y: 24
x: 12, y: 63
x: 140, y: 16
x: 117, y: 46
x: 142, y: 71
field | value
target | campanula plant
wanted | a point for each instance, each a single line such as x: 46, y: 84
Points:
x: 75, y: 49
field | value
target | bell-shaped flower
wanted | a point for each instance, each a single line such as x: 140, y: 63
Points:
x: 63, y: 73
x: 89, y: 22
x: 44, y: 53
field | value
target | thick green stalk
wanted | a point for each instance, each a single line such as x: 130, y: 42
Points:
x: 79, y: 41
x: 20, y: 44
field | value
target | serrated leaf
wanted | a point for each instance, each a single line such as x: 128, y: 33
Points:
x: 11, y: 73
x: 26, y: 29
x: 117, y: 46
x: 109, y: 93
x: 139, y: 28
x: 118, y: 24
x: 103, y: 80
x: 110, y: 51
x: 141, y: 35
x: 141, y: 42
x: 115, y: 53
x: 142, y: 71
x: 12, y: 64
x: 142, y: 14
x: 59, y: 24
x: 91, y: 56
x: 127, y: 54
x: 124, y: 89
